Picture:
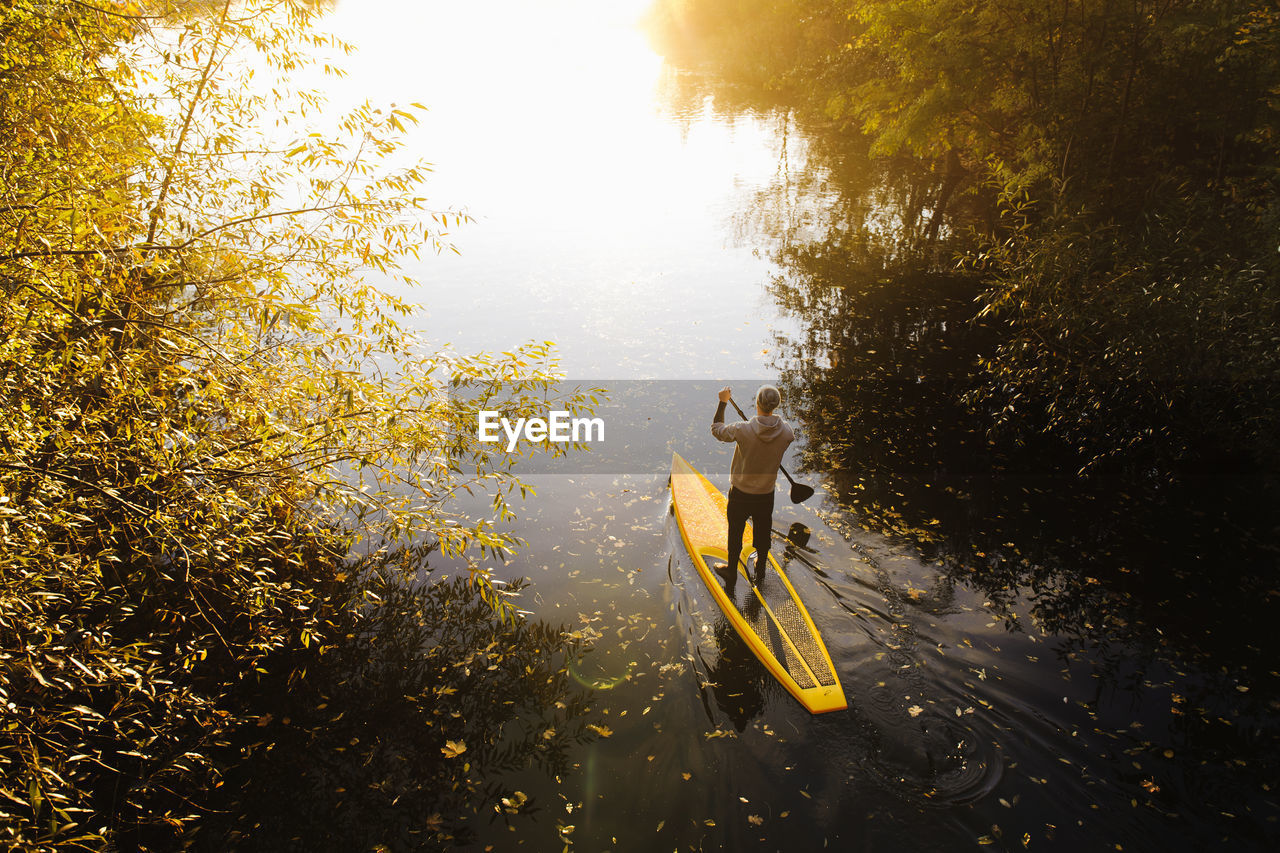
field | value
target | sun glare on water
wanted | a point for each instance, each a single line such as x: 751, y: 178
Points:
x: 524, y: 98
x: 594, y: 204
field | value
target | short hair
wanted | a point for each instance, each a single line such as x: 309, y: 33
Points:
x: 768, y: 398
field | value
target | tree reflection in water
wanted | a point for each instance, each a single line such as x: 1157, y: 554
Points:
x: 879, y: 374
x: 1152, y: 591
x: 1125, y: 578
x: 422, y: 720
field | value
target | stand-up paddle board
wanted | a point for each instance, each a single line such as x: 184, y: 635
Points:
x: 769, y: 615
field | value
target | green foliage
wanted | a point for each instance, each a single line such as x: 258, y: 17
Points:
x: 1042, y: 96
x: 1152, y: 345
x: 206, y: 403
x: 1115, y: 165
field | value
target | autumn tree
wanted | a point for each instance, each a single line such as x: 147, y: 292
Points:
x: 208, y: 402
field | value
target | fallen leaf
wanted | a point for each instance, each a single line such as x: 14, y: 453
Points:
x: 453, y: 748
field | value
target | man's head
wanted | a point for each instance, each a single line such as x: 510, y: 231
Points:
x: 767, y: 399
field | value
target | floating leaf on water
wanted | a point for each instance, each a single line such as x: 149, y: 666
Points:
x: 915, y: 710
x: 687, y: 776
x: 453, y: 748
x: 754, y: 819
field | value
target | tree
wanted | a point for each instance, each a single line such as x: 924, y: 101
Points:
x: 207, y: 401
x: 1107, y: 169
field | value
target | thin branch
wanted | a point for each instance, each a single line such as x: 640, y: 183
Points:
x: 158, y: 210
x: 27, y: 469
x: 186, y: 244
x: 114, y: 14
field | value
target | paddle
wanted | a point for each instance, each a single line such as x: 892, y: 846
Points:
x: 799, y: 491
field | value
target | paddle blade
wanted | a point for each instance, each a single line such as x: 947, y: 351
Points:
x: 800, y: 493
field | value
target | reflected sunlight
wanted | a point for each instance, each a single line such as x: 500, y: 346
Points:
x: 596, y: 202
x: 532, y: 106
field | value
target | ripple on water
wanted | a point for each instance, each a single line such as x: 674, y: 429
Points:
x: 927, y: 754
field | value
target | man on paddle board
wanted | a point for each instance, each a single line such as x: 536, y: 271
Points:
x: 753, y: 474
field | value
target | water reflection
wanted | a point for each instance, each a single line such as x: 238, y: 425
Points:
x: 1114, y: 581
x: 598, y: 217
x: 735, y: 677
x: 431, y: 719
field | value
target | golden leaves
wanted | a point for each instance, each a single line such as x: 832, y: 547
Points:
x: 513, y: 803
x: 453, y: 748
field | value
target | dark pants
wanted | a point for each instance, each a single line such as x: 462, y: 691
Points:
x: 758, y: 508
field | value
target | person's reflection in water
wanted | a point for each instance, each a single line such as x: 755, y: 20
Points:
x: 737, y: 674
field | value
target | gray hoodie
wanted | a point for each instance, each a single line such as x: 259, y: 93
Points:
x: 761, y: 443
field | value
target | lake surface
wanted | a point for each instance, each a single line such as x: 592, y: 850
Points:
x: 1000, y: 694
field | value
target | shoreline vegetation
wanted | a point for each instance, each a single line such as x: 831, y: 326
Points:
x: 224, y: 459
x: 1103, y: 177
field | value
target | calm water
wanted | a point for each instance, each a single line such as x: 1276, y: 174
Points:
x: 632, y: 219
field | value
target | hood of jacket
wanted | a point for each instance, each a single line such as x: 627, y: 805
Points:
x: 766, y: 427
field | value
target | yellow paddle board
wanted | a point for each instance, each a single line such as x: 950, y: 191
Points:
x: 770, y: 619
